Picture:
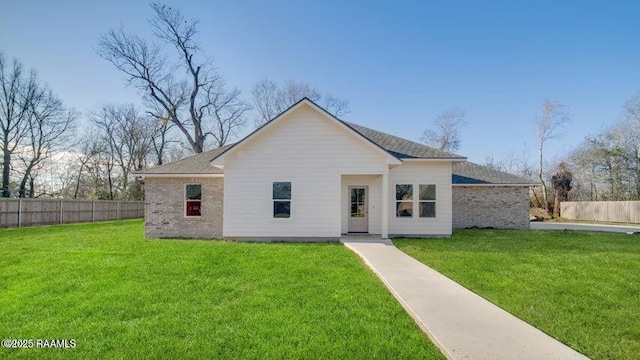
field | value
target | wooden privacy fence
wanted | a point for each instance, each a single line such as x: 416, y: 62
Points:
x: 30, y: 212
x: 616, y: 211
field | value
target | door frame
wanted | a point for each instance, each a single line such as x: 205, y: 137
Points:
x: 366, y: 211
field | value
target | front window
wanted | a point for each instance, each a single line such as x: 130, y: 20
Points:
x: 427, y: 201
x: 404, y: 200
x: 282, y: 200
x: 193, y: 200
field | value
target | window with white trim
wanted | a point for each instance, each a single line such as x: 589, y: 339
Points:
x: 281, y: 199
x: 404, y: 200
x: 193, y: 200
x: 427, y: 201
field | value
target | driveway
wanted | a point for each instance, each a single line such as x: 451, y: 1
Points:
x: 535, y: 225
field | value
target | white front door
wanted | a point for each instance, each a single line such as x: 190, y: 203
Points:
x: 358, y: 210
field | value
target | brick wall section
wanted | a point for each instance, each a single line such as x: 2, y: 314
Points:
x: 164, y: 214
x: 488, y: 206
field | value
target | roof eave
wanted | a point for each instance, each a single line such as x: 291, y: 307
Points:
x: 463, y: 159
x: 179, y: 175
x: 497, y: 184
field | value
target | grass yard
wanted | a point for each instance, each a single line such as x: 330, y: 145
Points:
x: 121, y: 296
x: 581, y: 288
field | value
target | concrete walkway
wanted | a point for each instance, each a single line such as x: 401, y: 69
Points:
x: 625, y: 229
x: 462, y: 324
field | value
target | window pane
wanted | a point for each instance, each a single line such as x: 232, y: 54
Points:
x: 427, y: 209
x: 357, y: 195
x: 404, y: 192
x: 282, y: 209
x: 193, y: 208
x: 404, y: 209
x: 282, y: 190
x: 427, y: 192
x: 357, y: 209
x: 193, y: 192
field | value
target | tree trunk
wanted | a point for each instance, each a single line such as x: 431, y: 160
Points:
x: 110, y: 182
x: 6, y: 168
x: 535, y: 195
x: 160, y: 149
x: 545, y: 204
x: 125, y: 184
x: 77, y: 189
x: 22, y: 191
x: 31, y: 187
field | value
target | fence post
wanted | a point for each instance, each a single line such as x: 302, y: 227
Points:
x: 61, y: 213
x: 117, y: 210
x: 19, y: 211
x: 93, y: 211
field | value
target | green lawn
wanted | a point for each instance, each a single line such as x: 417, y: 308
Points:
x: 582, y: 288
x: 121, y: 296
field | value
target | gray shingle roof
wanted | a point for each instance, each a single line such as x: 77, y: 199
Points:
x: 463, y: 172
x: 402, y: 148
x: 197, y: 164
x: 472, y: 173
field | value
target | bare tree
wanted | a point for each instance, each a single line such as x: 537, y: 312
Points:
x: 513, y: 163
x: 269, y: 99
x: 446, y: 132
x: 198, y: 103
x: 627, y: 132
x: 548, y: 122
x: 17, y: 89
x: 100, y: 170
x: 89, y: 169
x: 33, y: 125
x: 129, y: 140
x: 161, y: 140
x: 587, y: 177
x: 561, y: 183
x: 49, y: 128
x: 88, y: 151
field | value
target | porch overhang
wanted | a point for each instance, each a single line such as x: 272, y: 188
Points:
x: 377, y: 202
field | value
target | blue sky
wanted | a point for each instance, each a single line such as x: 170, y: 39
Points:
x: 398, y: 63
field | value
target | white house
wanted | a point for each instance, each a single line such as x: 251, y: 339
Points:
x: 308, y: 176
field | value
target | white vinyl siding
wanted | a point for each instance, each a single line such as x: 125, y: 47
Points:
x: 416, y: 174
x: 312, y: 152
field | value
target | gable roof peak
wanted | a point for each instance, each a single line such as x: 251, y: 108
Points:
x: 392, y: 158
